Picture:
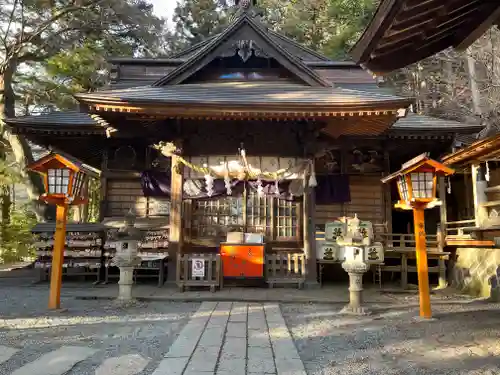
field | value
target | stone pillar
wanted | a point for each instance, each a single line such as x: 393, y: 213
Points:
x: 126, y: 258
x: 355, y: 271
x: 125, y: 284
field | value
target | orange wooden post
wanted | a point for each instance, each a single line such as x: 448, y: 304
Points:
x: 422, y: 265
x: 58, y: 257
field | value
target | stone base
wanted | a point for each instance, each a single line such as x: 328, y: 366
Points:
x: 351, y: 310
x: 419, y: 319
x: 310, y: 284
x: 121, y: 303
x: 57, y: 311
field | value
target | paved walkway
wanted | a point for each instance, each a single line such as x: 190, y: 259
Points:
x: 233, y: 338
x: 221, y: 338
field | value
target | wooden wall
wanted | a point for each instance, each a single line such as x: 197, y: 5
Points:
x: 367, y: 200
x: 124, y: 194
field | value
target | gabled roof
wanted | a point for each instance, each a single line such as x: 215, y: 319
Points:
x: 403, y: 32
x: 304, y: 53
x: 253, y: 30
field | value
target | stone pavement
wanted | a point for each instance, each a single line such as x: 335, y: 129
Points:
x: 220, y: 338
x: 233, y: 338
x: 328, y: 294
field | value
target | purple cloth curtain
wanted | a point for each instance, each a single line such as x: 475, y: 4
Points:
x: 157, y: 184
x: 332, y: 189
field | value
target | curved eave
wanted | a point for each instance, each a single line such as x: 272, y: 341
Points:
x: 436, y: 131
x: 242, y: 110
x: 55, y: 129
x: 403, y: 32
x: 482, y: 150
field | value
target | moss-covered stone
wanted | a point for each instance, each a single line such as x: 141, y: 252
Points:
x: 477, y: 272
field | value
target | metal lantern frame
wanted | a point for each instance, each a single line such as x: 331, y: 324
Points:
x: 65, y: 178
x: 417, y: 181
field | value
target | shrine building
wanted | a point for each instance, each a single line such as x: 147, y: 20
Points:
x: 250, y: 132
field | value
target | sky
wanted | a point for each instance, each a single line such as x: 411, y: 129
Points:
x: 164, y: 8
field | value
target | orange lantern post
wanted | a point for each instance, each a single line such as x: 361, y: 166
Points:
x: 416, y: 181
x: 66, y: 183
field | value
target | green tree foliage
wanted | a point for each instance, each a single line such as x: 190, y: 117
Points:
x: 196, y: 20
x: 64, y: 40
x: 327, y: 26
x: 16, y: 241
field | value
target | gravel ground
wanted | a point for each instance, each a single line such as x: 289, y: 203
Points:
x: 145, y: 329
x: 464, y: 339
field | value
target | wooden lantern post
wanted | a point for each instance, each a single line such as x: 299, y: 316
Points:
x: 65, y: 180
x: 417, y: 181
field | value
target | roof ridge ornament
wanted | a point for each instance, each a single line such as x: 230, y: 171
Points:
x: 246, y: 4
x: 247, y: 7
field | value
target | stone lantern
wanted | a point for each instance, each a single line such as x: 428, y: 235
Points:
x: 126, y: 259
x: 354, y: 241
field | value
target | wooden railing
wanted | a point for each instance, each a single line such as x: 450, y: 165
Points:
x: 405, y: 241
x: 211, y: 274
x: 457, y: 228
x: 285, y: 269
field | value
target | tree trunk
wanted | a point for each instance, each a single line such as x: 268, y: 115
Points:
x: 476, y: 98
x: 18, y: 145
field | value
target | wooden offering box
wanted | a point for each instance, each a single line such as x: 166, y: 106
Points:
x: 242, y: 260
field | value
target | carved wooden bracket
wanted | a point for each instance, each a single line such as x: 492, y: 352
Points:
x: 244, y: 49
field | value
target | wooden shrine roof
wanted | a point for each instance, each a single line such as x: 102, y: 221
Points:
x: 481, y: 150
x: 416, y: 122
x: 254, y: 97
x: 403, y: 32
x: 157, y: 88
x: 246, y: 28
x: 72, y: 125
x: 64, y: 123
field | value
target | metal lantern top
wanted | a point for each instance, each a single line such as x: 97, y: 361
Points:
x: 417, y: 181
x: 65, y: 178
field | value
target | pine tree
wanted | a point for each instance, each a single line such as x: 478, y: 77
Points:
x: 196, y: 20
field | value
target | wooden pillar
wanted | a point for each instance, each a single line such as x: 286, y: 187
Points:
x: 58, y: 257
x: 422, y: 263
x: 479, y: 186
x: 103, y: 206
x: 443, y: 217
x: 441, y: 232
x: 176, y: 237
x: 308, y: 214
x: 387, y: 194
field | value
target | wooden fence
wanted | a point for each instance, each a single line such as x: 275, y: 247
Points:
x: 285, y: 269
x: 212, y: 275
